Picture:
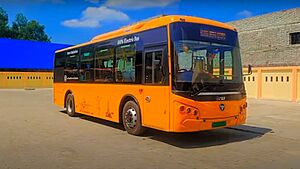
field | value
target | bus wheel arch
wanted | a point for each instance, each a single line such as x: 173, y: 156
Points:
x: 126, y: 102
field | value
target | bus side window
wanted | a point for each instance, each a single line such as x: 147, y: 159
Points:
x: 104, y: 65
x: 86, y: 64
x: 72, y: 65
x: 59, y: 66
x: 125, y: 63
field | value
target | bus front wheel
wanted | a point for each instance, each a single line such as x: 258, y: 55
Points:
x: 131, y: 118
x: 70, y: 105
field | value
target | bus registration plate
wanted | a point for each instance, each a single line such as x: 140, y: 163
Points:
x: 219, y: 124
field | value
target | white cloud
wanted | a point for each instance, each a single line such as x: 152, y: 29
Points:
x: 139, y: 4
x: 244, y: 14
x: 75, y: 23
x: 92, y: 16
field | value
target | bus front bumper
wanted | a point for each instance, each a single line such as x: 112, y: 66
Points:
x: 193, y: 125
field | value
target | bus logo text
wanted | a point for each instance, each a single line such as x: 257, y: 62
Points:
x: 128, y: 40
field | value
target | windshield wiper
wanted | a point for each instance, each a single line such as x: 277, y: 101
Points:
x: 207, y: 85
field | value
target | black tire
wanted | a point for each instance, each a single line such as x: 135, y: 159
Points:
x: 132, y: 121
x: 70, y: 105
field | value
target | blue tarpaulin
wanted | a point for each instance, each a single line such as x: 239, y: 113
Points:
x: 23, y: 54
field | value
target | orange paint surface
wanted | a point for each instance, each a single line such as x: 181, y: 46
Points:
x: 162, y: 112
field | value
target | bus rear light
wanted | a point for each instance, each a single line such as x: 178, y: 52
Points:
x: 188, y: 110
x: 196, y: 112
x: 182, y: 108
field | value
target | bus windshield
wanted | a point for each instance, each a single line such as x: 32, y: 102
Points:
x: 206, y: 65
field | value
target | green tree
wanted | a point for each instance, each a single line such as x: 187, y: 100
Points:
x: 19, y: 27
x: 22, y: 28
x: 4, y: 28
x: 28, y: 30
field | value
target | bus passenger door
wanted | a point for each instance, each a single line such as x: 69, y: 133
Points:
x: 156, y: 90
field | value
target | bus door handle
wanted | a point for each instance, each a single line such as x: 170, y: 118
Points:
x: 148, y: 99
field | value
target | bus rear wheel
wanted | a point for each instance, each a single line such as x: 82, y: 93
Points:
x: 70, y: 105
x: 131, y: 117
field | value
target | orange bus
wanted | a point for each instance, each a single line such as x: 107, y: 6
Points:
x: 171, y: 73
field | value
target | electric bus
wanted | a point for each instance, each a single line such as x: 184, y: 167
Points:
x: 171, y: 73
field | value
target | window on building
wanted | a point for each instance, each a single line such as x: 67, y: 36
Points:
x: 295, y: 38
x: 125, y: 63
x: 104, y: 66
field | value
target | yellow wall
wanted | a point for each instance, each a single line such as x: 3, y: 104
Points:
x: 15, y: 80
x: 298, y: 85
x: 284, y: 85
x: 251, y: 84
x: 277, y: 84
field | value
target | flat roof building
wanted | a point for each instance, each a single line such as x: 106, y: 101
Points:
x: 271, y: 43
x: 27, y: 64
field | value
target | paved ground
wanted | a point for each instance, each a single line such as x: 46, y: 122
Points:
x: 35, y: 134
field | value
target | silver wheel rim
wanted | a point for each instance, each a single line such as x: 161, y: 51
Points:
x: 131, y: 118
x: 70, y: 105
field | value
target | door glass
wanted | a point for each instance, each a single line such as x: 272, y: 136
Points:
x: 153, y: 67
x: 148, y: 67
x: 158, y: 76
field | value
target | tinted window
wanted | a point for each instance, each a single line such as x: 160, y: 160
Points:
x: 104, y: 64
x: 154, y: 67
x: 60, y: 59
x: 72, y: 65
x: 125, y: 63
x: 86, y: 64
x: 59, y: 65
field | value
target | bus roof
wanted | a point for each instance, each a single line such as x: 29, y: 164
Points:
x: 151, y: 23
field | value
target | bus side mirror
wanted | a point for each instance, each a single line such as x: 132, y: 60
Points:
x: 249, y: 70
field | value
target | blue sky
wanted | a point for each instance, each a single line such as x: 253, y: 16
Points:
x: 77, y: 21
